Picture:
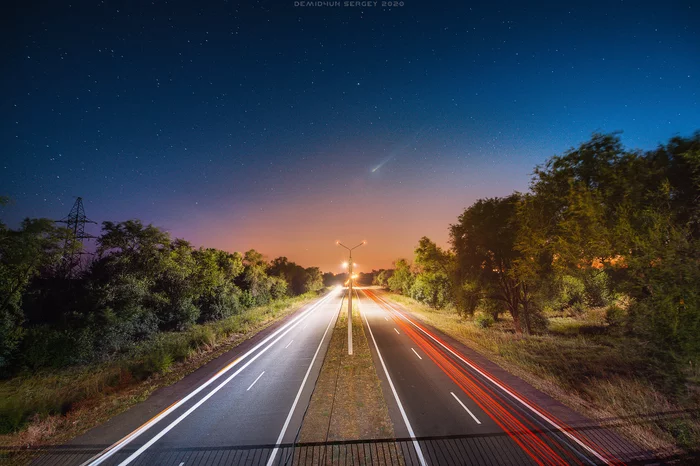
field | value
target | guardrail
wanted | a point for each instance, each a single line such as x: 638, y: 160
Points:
x: 480, y: 449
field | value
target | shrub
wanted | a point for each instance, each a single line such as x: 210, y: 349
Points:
x: 538, y: 322
x: 221, y: 304
x: 597, y: 288
x: 571, y: 291
x: 158, y: 360
x: 615, y: 316
x: 179, y: 348
x: 45, y: 346
x: 483, y: 320
x: 202, y: 336
x: 578, y: 308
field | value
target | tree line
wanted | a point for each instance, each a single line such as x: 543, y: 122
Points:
x: 601, y: 225
x: 140, y: 282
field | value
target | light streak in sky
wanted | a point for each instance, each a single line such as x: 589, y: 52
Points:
x: 397, y: 151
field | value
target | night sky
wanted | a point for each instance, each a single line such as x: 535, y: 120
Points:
x: 284, y: 128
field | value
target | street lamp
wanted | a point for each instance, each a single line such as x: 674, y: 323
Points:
x: 350, y: 264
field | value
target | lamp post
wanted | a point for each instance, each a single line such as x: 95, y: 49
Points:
x: 350, y: 264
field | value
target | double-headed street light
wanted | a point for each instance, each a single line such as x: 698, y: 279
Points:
x: 349, y: 265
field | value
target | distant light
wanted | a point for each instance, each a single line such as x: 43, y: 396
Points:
x: 345, y: 265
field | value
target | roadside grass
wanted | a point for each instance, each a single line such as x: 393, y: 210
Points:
x: 53, y: 406
x: 347, y: 402
x: 611, y: 378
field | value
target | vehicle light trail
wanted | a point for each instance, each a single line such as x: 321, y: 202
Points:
x: 533, y: 439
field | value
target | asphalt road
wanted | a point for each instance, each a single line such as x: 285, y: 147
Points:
x: 463, y: 411
x: 449, y: 405
x: 256, y: 396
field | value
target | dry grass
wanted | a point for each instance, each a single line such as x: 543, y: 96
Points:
x: 55, y: 406
x: 347, y: 403
x: 607, y: 378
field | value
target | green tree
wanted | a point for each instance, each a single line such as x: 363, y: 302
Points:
x: 314, y: 280
x: 217, y: 270
x: 484, y: 241
x: 434, y: 271
x: 402, y: 279
x: 381, y: 278
x: 24, y: 253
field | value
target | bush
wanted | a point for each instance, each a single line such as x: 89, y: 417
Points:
x: 158, y: 360
x: 483, y: 320
x: 615, y: 316
x: 221, y: 304
x: 45, y: 346
x: 597, y: 289
x: 578, y: 308
x: 571, y: 290
x: 202, y: 336
x: 538, y: 322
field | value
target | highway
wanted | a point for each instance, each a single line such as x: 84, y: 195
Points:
x: 258, y: 398
x: 448, y: 405
x: 459, y: 410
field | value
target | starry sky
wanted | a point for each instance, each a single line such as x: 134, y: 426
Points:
x: 282, y: 127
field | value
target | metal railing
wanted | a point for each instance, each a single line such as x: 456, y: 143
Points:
x: 477, y: 449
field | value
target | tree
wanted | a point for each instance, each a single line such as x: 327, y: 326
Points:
x: 36, y: 245
x: 299, y: 279
x: 314, y: 281
x: 381, y: 278
x: 434, y: 270
x: 484, y: 241
x: 401, y: 280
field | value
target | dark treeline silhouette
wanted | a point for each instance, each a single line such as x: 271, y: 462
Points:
x: 601, y: 226
x: 140, y: 282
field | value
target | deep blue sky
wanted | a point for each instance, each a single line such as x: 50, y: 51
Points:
x: 259, y: 125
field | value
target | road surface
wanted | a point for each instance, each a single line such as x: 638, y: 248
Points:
x: 256, y: 396
x: 449, y: 406
x: 467, y: 412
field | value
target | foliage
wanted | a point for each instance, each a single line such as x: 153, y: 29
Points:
x: 600, y: 221
x: 24, y: 253
x: 485, y: 243
x: 483, y: 320
x: 381, y: 278
x: 140, y: 283
x: 300, y: 280
x: 402, y: 279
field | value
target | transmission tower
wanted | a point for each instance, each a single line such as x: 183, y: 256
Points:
x: 73, y: 246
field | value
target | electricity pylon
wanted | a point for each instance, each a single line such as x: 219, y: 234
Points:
x: 73, y: 246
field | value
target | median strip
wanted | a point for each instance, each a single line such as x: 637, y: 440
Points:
x: 347, y: 402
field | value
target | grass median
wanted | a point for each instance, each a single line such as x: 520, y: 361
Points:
x: 52, y: 407
x: 347, y: 402
x: 606, y: 377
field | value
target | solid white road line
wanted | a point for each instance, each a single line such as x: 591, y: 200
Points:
x: 496, y: 383
x: 466, y: 409
x: 419, y: 452
x: 296, y: 400
x: 170, y: 426
x: 397, y: 332
x: 414, y: 351
x: 101, y: 457
x: 290, y: 342
x: 251, y: 385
